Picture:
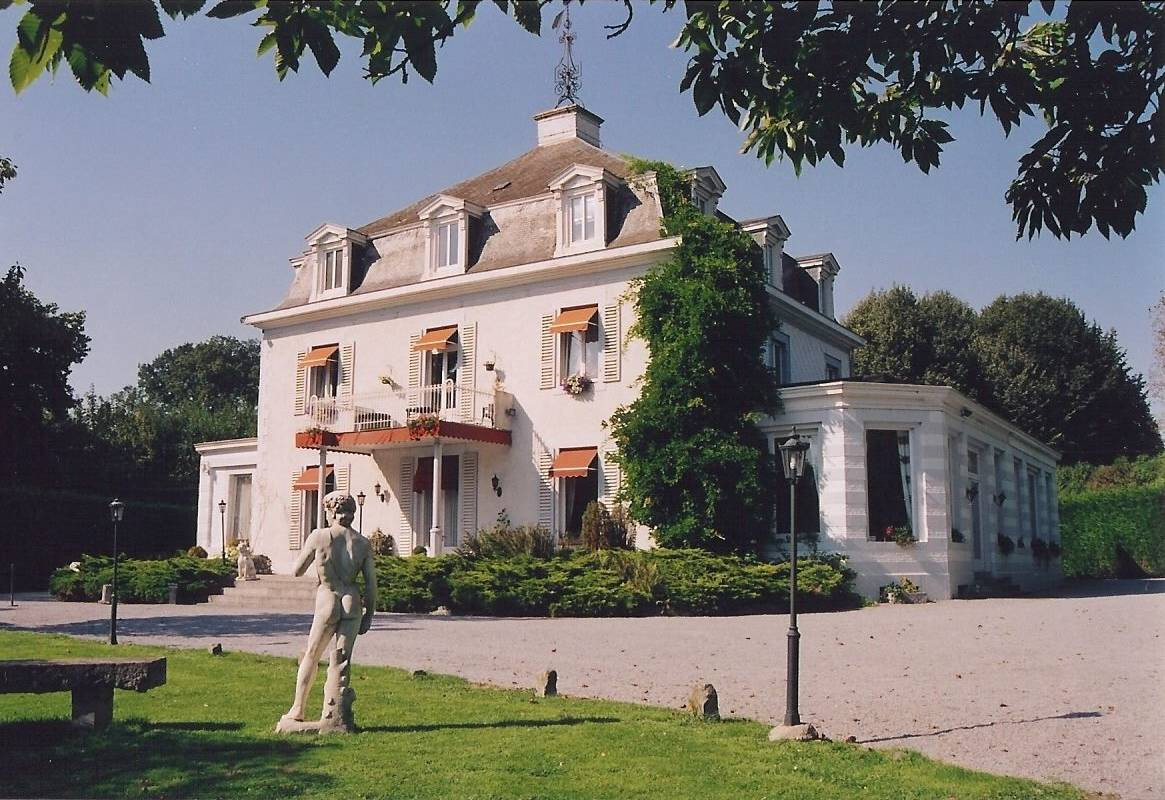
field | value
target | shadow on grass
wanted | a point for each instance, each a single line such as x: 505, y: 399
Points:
x: 225, y: 625
x: 977, y: 726
x: 136, y: 758
x: 502, y: 723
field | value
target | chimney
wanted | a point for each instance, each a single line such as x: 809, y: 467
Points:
x: 566, y: 123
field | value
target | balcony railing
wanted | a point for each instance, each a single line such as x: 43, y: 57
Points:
x: 394, y: 408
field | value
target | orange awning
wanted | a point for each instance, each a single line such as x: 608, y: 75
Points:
x: 573, y: 462
x: 436, y: 338
x: 574, y: 319
x: 318, y: 356
x: 309, y: 479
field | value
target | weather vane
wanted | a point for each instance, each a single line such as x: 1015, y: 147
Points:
x: 566, y: 74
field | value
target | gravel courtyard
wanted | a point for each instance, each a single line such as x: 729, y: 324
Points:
x: 1060, y: 688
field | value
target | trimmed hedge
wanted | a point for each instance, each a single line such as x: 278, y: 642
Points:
x: 610, y: 583
x: 143, y: 581
x: 1104, y: 527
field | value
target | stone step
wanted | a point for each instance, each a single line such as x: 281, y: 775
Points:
x: 251, y: 590
x: 283, y: 605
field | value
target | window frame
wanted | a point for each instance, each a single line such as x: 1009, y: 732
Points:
x: 914, y: 517
x: 589, y: 199
x: 332, y: 270
x: 833, y: 363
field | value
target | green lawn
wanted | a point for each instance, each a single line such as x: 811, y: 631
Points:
x: 209, y: 733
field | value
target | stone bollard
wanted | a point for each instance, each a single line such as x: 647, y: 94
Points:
x: 547, y: 684
x: 106, y: 593
x: 173, y: 587
x: 702, y: 702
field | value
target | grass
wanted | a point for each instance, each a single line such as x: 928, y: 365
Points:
x: 209, y: 733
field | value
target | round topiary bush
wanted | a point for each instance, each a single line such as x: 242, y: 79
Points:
x: 196, y: 552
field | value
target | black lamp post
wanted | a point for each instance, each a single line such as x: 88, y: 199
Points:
x: 116, y: 512
x: 360, y: 503
x: 222, y: 524
x: 793, y: 452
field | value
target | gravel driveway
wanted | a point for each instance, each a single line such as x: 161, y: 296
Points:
x: 1061, y: 688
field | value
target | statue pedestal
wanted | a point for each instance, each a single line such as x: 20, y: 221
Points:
x: 338, y: 699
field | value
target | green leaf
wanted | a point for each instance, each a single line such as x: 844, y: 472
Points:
x: 528, y: 14
x: 323, y: 47
x: 183, y: 8
x: 266, y: 43
x: 38, y: 44
x: 234, y: 8
x: 422, y: 53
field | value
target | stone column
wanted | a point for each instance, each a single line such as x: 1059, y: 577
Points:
x: 435, y: 539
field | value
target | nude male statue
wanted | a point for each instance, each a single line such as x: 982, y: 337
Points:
x: 340, y: 554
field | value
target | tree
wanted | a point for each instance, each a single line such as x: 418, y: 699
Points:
x: 188, y: 394
x: 38, y: 347
x: 912, y: 340
x: 1157, y: 383
x: 695, y: 464
x: 1064, y: 380
x: 7, y: 171
x: 803, y: 80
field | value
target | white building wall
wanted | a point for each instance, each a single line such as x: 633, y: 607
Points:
x: 508, y: 332
x: 808, y: 352
x: 218, y: 463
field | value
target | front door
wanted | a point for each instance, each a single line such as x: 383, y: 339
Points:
x: 976, y: 508
x: 423, y: 500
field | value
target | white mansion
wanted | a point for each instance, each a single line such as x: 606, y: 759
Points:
x: 456, y: 360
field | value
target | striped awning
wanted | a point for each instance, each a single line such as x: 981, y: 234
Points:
x: 574, y: 462
x: 318, y: 356
x: 575, y: 319
x: 436, y: 339
x: 309, y: 479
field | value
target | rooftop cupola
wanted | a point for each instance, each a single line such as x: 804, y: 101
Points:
x: 568, y: 122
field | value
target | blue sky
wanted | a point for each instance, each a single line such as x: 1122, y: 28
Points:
x: 168, y: 210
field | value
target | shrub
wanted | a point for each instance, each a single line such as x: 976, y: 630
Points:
x: 196, y: 552
x: 142, y: 581
x: 1100, y: 529
x: 606, y: 530
x: 609, y: 583
x: 504, y: 540
x: 420, y: 550
x: 262, y: 564
x: 898, y: 592
x: 382, y: 543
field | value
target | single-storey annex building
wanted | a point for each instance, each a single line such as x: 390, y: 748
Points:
x: 456, y: 359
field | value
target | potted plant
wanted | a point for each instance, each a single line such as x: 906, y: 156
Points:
x: 423, y: 425
x: 1005, y: 544
x: 313, y: 436
x: 576, y: 384
x: 905, y: 591
x: 904, y: 536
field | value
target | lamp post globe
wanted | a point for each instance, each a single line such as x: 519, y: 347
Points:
x: 793, y: 452
x: 222, y: 525
x: 116, y: 512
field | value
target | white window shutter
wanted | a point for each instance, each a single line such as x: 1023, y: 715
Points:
x: 546, y: 355
x: 467, y: 371
x: 343, y: 478
x: 612, y: 353
x: 468, y: 495
x: 347, y: 365
x: 610, y: 479
x: 545, y: 492
x: 300, y: 382
x: 414, y: 370
x: 295, y: 526
x: 404, y: 495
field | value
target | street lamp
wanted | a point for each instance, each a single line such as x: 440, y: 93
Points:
x: 222, y: 520
x: 116, y: 512
x: 360, y: 502
x: 793, y: 452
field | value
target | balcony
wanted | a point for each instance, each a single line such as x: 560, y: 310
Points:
x: 362, y: 423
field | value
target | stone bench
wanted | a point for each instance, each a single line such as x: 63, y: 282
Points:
x: 91, y: 681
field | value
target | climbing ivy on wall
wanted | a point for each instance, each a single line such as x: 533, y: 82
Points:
x: 695, y: 465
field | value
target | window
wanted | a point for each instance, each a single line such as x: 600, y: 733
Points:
x: 322, y: 379
x: 333, y: 272
x: 1032, y: 508
x: 423, y: 488
x: 582, y: 217
x: 888, y: 484
x: 778, y: 360
x: 578, y: 474
x: 1017, y: 465
x: 448, y: 252
x: 240, y: 489
x: 442, y: 372
x: 578, y: 343
x: 308, y: 485
x: 832, y: 368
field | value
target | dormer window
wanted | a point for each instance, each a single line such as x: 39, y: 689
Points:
x: 448, y: 253
x: 331, y: 251
x: 447, y: 247
x: 582, y: 193
x: 582, y: 217
x: 707, y: 188
x: 333, y: 270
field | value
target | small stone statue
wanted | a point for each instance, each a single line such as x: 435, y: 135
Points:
x: 246, y: 564
x: 340, y: 554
